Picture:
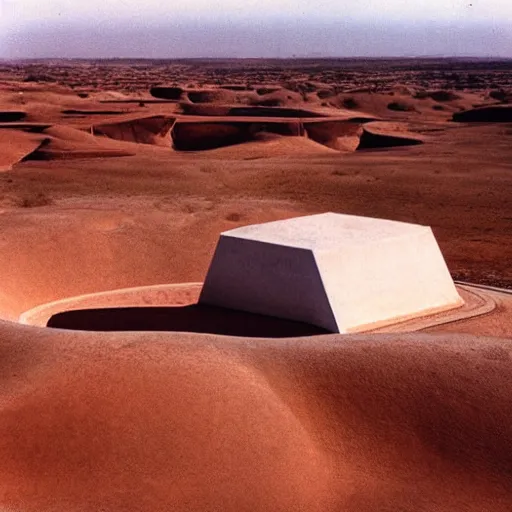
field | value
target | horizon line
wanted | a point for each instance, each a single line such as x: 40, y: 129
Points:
x: 291, y: 57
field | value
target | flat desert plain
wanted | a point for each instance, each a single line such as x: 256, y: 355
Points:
x: 122, y: 174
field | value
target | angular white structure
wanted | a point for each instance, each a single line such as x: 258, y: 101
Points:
x: 340, y: 272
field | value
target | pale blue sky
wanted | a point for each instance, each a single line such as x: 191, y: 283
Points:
x: 41, y: 28
x: 25, y: 11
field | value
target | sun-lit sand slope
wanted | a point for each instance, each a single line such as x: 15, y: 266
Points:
x: 69, y: 143
x: 16, y: 145
x: 193, y: 423
x: 50, y: 252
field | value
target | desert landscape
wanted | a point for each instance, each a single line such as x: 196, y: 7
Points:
x: 117, y: 178
x: 95, y: 161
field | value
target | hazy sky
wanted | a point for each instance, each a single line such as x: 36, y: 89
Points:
x: 252, y: 28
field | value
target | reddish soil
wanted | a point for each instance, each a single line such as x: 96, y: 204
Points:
x: 105, y: 186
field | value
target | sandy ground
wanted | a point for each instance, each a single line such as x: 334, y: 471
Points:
x: 193, y: 422
x: 108, y: 182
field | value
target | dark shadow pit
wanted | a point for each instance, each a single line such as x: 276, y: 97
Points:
x: 194, y: 318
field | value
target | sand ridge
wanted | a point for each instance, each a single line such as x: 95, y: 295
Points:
x: 16, y: 145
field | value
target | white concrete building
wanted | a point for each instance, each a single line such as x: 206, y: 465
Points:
x: 340, y: 272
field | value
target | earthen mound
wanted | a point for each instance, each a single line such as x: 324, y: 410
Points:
x: 325, y: 93
x: 174, y: 421
x: 62, y: 142
x: 443, y: 96
x: 262, y: 91
x: 16, y: 145
x: 270, y: 102
x: 492, y: 114
x: 265, y: 145
x: 237, y: 87
x: 103, y: 243
x: 212, y: 96
x: 374, y: 104
x: 401, y: 106
x: 278, y: 98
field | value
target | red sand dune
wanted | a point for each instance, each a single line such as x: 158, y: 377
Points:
x: 266, y: 89
x: 63, y: 142
x: 237, y: 87
x: 211, y: 95
x: 16, y: 145
x: 397, y: 105
x: 266, y: 145
x: 277, y: 98
x: 181, y: 422
x: 444, y: 95
x: 105, y: 243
